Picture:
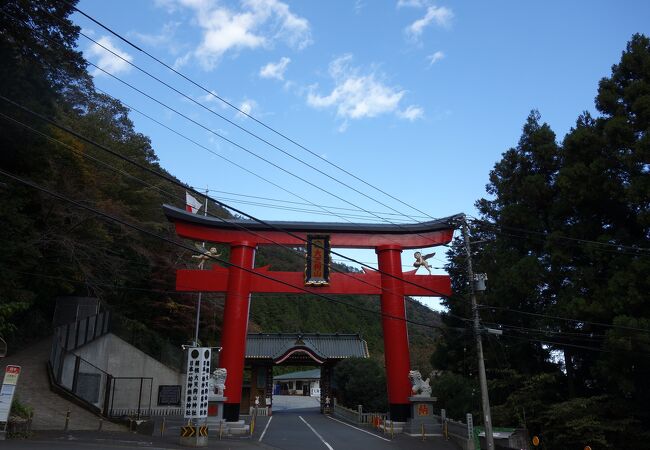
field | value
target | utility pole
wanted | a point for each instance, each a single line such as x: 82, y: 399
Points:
x: 487, y: 418
x: 198, y: 304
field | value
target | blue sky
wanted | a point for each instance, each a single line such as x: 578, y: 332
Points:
x: 417, y: 97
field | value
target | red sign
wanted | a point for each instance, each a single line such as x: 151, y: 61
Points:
x: 11, y: 375
x: 423, y: 409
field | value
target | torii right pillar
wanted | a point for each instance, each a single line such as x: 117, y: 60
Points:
x: 396, y: 342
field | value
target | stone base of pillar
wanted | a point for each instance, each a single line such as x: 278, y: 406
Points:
x: 215, y: 406
x: 422, y: 421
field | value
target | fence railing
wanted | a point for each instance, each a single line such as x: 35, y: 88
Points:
x: 462, y: 433
x: 358, y: 416
x: 95, y: 388
x: 259, y: 411
x: 130, y: 396
x: 76, y: 334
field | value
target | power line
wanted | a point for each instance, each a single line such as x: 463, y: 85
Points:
x: 241, y: 147
x: 211, y: 131
x: 189, y: 98
x: 201, y: 125
x: 304, y: 204
x: 570, y: 334
x: 117, y: 55
x: 567, y: 319
x: 178, y: 183
x: 211, y: 93
x: 143, y: 181
x: 183, y: 246
x: 547, y: 235
x: 583, y: 347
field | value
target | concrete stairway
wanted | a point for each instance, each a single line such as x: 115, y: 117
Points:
x: 49, y: 408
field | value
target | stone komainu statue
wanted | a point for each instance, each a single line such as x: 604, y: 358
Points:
x: 420, y: 387
x: 218, y: 381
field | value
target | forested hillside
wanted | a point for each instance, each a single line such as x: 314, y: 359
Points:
x: 52, y: 248
x: 564, y: 237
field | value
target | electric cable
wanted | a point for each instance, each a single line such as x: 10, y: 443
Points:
x: 178, y: 183
x: 140, y: 180
x: 583, y: 347
x: 556, y: 236
x: 212, y: 93
x: 211, y: 131
x: 565, y: 318
x: 277, y: 200
x: 270, y: 144
x: 232, y: 123
x: 186, y: 247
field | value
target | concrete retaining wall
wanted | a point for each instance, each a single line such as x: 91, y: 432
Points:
x: 119, y: 358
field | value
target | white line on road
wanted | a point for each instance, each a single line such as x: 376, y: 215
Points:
x: 316, y: 433
x: 265, y: 428
x: 352, y: 426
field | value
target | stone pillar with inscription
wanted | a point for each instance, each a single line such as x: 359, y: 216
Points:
x: 326, y: 371
x: 422, y: 420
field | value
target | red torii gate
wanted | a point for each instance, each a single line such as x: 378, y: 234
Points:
x: 241, y: 279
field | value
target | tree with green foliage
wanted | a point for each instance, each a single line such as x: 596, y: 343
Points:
x: 361, y: 381
x: 566, y: 233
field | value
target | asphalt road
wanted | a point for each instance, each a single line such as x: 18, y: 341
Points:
x: 295, y: 425
x: 308, y: 429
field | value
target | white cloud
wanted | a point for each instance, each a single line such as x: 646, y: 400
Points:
x: 356, y: 95
x: 441, y: 15
x: 410, y: 3
x: 437, y: 56
x: 411, y: 113
x: 275, y: 70
x: 246, y: 107
x: 169, y: 5
x: 165, y: 38
x: 107, y: 60
x: 257, y: 24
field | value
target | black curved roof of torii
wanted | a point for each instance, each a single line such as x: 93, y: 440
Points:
x: 446, y: 223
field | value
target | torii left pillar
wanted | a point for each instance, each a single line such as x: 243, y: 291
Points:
x: 235, y: 324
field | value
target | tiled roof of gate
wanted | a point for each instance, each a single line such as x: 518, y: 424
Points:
x: 302, y: 375
x: 327, y: 346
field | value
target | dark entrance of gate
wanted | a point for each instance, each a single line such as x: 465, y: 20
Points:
x: 241, y: 279
x: 265, y: 350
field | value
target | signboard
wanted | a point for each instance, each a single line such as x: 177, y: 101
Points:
x: 196, y: 385
x: 423, y: 409
x: 7, y: 391
x: 317, y: 269
x: 169, y: 395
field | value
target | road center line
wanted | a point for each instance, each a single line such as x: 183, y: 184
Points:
x: 360, y: 429
x: 316, y: 433
x: 265, y: 428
